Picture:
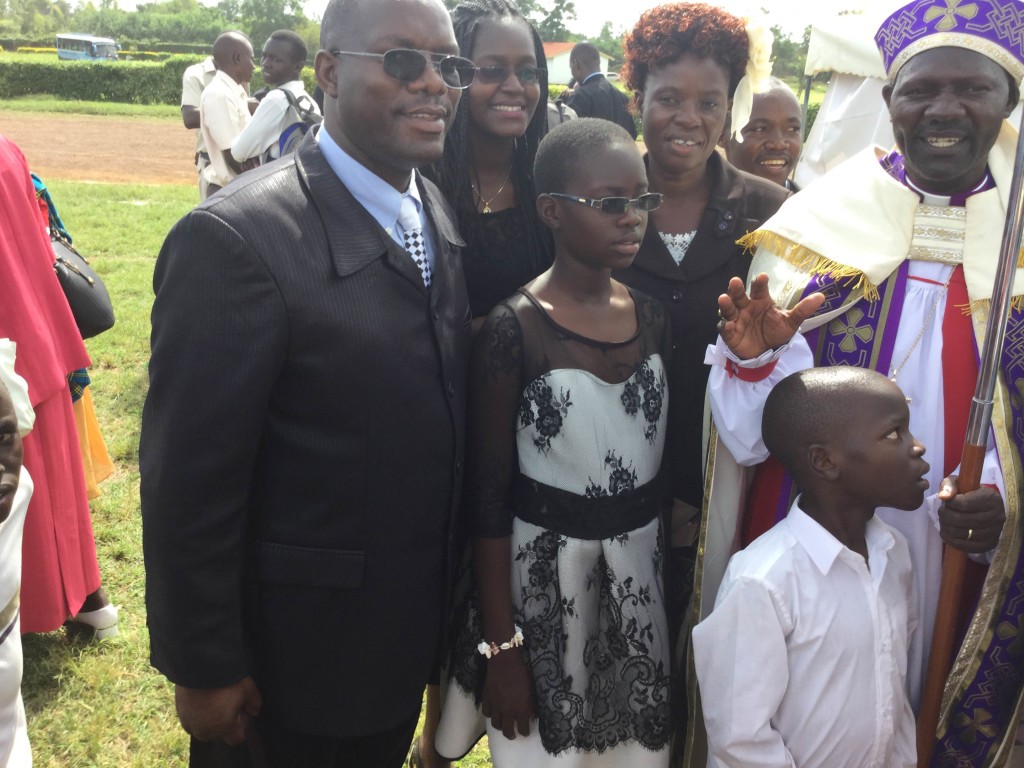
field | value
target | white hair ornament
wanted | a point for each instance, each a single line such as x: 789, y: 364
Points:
x: 755, y: 78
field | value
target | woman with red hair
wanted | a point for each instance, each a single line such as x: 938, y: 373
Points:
x: 691, y: 66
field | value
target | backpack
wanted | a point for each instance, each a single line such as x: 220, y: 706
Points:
x: 301, y: 116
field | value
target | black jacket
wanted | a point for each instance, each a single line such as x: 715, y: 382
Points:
x: 302, y: 446
x: 599, y: 98
x: 739, y: 203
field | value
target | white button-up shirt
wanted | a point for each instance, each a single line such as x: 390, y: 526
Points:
x: 269, y: 121
x: 223, y: 113
x: 803, y: 661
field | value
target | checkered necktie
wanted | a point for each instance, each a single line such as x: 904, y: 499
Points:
x: 412, y: 232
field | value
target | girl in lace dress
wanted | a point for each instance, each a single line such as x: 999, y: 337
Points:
x: 565, y: 646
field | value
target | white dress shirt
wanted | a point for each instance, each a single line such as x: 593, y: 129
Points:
x: 193, y: 82
x: 803, y: 661
x: 223, y: 113
x: 268, y: 122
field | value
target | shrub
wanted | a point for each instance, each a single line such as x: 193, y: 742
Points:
x: 812, y: 113
x: 134, y: 82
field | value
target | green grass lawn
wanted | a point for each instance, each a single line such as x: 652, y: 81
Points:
x: 100, y: 704
x: 51, y: 104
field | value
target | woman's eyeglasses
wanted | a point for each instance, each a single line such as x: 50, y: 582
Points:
x: 408, y: 65
x: 493, y: 75
x: 616, y: 205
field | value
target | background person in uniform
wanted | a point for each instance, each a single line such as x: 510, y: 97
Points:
x: 224, y: 107
x: 302, y: 439
x: 193, y: 81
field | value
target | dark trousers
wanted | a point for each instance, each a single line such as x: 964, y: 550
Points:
x: 276, y: 747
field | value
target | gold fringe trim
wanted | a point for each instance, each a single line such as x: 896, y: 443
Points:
x: 1017, y: 302
x: 804, y: 259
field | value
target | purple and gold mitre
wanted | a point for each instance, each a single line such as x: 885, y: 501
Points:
x: 993, y: 28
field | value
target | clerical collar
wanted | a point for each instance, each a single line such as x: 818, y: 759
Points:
x: 894, y: 165
x: 929, y: 198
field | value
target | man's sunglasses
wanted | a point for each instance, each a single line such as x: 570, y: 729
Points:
x: 495, y: 75
x: 408, y: 65
x: 616, y: 205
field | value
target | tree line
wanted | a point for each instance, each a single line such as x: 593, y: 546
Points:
x: 188, y: 21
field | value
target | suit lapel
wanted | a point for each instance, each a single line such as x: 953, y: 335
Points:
x: 354, y: 238
x: 446, y: 240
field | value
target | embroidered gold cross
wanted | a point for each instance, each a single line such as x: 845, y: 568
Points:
x: 949, y: 14
x: 851, y: 331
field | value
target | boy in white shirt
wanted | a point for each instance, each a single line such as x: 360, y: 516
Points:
x: 284, y: 56
x: 803, y: 661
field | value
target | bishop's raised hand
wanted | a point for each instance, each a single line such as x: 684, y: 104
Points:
x: 752, y: 323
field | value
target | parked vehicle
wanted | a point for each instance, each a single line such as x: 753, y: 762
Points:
x: 75, y: 47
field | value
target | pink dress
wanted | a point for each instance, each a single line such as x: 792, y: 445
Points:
x: 59, y: 567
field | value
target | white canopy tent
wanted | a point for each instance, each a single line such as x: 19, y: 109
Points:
x: 852, y: 115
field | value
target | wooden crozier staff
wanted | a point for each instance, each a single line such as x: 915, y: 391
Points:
x: 954, y: 561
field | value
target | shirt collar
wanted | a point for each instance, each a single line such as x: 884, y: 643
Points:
x: 229, y: 81
x: 208, y: 65
x: 379, y: 198
x: 591, y: 76
x: 824, y: 548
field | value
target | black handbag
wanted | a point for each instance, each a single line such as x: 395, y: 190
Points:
x: 87, y: 296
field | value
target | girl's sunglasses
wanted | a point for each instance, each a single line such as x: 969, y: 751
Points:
x: 495, y: 75
x: 408, y: 65
x: 616, y: 205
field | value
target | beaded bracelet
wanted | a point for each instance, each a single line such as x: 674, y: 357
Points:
x: 493, y: 649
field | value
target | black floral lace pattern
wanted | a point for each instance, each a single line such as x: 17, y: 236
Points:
x: 645, y: 391
x: 627, y: 691
x: 542, y: 408
x: 621, y: 479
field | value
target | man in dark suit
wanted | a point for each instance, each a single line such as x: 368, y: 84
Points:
x: 595, y: 96
x: 302, y: 438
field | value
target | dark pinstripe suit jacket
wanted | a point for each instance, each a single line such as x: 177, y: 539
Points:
x: 302, y: 448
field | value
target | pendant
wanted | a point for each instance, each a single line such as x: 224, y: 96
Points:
x: 487, y: 208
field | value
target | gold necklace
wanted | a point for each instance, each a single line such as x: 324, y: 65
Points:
x: 895, y: 369
x: 480, y: 198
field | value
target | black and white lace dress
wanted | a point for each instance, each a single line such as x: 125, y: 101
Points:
x: 565, y: 450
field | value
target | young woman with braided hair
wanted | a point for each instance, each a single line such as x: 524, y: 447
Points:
x: 487, y: 168
x: 487, y: 175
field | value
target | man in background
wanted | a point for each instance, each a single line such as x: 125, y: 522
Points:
x: 773, y: 136
x: 193, y: 82
x: 595, y: 96
x: 284, y: 56
x: 224, y: 108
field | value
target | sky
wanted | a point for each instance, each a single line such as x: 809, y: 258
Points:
x: 592, y: 14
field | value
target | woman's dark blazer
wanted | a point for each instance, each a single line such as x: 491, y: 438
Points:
x: 739, y: 203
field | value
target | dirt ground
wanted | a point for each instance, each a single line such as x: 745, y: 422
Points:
x: 98, y: 148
